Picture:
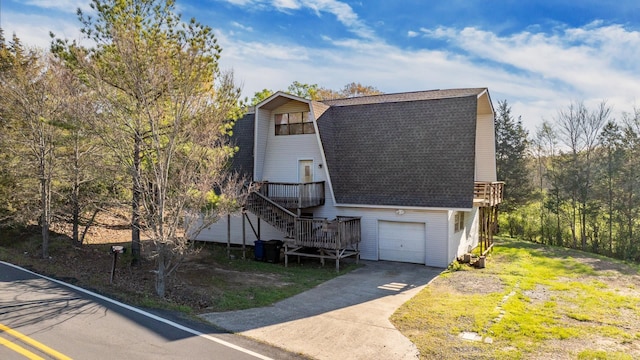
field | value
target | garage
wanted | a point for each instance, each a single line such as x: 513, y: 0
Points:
x: 401, y: 241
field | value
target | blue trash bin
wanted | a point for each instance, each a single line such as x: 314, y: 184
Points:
x: 258, y: 250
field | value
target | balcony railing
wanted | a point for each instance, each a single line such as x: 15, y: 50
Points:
x: 486, y: 193
x: 294, y: 195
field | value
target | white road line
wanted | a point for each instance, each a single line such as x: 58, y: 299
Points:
x: 144, y: 313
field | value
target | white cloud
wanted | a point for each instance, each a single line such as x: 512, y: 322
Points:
x: 241, y: 26
x: 33, y: 30
x: 68, y: 6
x: 286, y: 4
x: 590, y: 63
x: 537, y: 73
x: 342, y: 11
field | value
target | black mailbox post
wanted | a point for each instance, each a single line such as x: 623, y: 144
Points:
x: 115, y: 250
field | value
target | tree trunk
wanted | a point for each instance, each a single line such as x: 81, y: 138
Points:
x: 583, y: 227
x: 44, y: 218
x: 135, y: 204
x: 75, y: 194
x: 610, y: 200
x: 558, y: 229
x: 161, y: 272
x: 88, y: 225
x: 44, y: 199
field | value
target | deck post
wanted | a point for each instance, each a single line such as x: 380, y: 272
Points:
x: 228, y: 235
x: 338, y: 245
x: 244, y: 235
x: 286, y: 257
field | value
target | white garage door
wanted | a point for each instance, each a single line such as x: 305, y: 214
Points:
x: 401, y: 241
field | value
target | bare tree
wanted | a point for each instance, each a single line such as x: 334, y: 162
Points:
x: 30, y: 103
x: 165, y: 111
x: 580, y: 130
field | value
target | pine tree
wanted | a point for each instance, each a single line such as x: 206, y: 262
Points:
x: 511, y: 158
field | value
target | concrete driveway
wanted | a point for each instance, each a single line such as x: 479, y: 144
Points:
x: 344, y: 318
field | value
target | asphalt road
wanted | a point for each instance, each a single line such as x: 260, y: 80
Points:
x: 46, y: 318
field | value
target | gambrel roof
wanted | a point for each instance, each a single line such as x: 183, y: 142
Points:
x: 243, y: 132
x: 407, y: 96
x: 408, y: 149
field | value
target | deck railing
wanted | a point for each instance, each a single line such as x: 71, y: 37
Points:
x: 486, y: 193
x: 294, y: 195
x: 339, y: 233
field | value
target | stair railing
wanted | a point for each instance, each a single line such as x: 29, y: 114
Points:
x: 271, y: 212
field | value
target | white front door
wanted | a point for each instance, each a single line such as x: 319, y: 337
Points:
x: 305, y: 171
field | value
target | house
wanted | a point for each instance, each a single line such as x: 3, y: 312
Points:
x: 409, y: 177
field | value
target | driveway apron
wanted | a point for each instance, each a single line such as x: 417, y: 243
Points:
x: 344, y: 318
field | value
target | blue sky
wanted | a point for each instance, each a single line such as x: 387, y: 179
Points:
x: 538, y: 55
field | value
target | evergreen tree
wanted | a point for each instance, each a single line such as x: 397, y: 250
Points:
x: 511, y: 161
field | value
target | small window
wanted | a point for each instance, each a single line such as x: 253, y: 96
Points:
x: 294, y: 123
x: 458, y: 221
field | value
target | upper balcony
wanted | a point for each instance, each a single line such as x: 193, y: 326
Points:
x: 294, y: 195
x: 486, y: 193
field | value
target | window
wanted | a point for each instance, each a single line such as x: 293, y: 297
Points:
x: 294, y: 123
x: 458, y: 221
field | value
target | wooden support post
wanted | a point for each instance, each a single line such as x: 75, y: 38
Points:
x: 286, y: 257
x: 244, y: 235
x: 228, y: 235
x: 113, y: 268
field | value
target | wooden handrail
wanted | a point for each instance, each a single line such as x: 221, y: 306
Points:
x: 272, y: 212
x: 328, y: 234
x: 294, y: 195
x: 488, y: 193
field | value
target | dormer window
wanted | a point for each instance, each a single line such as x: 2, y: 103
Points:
x: 294, y: 123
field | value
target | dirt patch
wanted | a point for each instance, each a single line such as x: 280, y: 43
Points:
x: 471, y: 282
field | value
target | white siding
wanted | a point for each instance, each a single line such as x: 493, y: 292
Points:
x: 437, y: 240
x: 218, y: 232
x: 485, y: 149
x: 283, y: 152
x: 291, y: 106
x: 435, y: 221
x: 463, y: 241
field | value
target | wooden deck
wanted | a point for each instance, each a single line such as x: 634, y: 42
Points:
x: 487, y: 196
x: 335, y: 239
x: 487, y: 193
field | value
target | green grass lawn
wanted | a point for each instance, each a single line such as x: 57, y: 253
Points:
x: 531, y: 301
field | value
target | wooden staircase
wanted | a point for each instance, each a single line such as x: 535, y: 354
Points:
x: 272, y: 213
x: 333, y: 239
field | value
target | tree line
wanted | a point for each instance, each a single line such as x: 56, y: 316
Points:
x: 575, y: 182
x: 142, y: 117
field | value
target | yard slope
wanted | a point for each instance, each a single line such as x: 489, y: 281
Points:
x: 530, y: 302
